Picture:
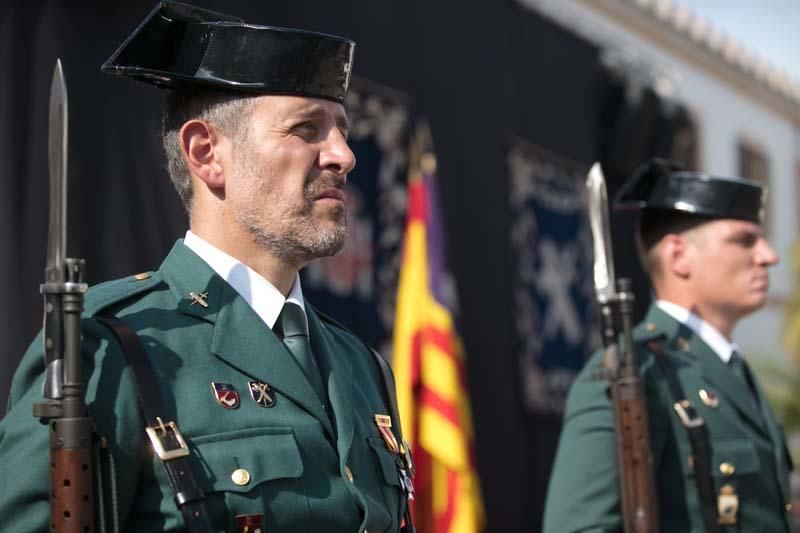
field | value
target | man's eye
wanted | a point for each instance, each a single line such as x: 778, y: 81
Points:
x: 306, y: 129
x: 747, y: 241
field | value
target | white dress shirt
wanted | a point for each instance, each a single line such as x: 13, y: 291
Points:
x: 710, y: 335
x: 265, y: 299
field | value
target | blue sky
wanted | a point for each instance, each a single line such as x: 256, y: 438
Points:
x: 770, y: 28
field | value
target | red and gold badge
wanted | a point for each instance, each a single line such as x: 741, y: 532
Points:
x: 225, y: 394
x: 384, y: 423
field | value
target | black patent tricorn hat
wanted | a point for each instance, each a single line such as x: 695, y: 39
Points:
x: 179, y: 45
x: 661, y: 184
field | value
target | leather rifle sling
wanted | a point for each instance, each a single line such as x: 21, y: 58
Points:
x: 167, y: 440
x: 698, y: 441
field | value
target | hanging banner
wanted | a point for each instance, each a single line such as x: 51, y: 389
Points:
x: 553, y: 294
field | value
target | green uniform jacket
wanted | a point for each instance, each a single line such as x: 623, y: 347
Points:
x: 583, y: 493
x: 300, y: 461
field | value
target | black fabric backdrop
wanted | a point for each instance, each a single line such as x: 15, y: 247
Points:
x: 479, y: 71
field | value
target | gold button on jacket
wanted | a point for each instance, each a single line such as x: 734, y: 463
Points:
x: 240, y: 476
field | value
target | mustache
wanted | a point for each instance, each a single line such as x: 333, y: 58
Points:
x: 323, y: 183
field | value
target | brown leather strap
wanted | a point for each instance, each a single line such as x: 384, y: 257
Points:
x: 164, y: 434
x: 698, y: 441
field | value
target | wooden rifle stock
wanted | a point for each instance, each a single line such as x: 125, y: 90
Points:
x: 638, y: 501
x: 72, y: 472
x: 71, y: 446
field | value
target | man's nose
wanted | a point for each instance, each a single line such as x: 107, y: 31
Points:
x: 766, y: 254
x: 336, y: 155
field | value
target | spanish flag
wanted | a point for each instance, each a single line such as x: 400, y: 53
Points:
x: 428, y: 364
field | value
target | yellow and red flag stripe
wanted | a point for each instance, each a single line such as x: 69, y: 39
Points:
x: 428, y: 364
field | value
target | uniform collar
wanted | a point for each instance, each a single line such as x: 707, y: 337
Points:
x: 265, y: 299
x: 708, y: 333
x: 237, y: 339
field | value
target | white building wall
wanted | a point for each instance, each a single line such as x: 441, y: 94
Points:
x: 724, y: 116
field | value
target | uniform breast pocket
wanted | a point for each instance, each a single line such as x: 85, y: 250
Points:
x: 253, y: 471
x: 730, y: 458
x: 733, y: 458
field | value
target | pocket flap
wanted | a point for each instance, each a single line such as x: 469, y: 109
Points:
x: 739, y: 453
x: 256, y: 455
x: 386, y: 459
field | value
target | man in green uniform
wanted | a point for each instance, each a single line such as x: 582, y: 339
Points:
x: 702, y: 244
x: 283, y: 411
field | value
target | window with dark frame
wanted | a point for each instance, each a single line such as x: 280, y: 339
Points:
x: 753, y: 164
x: 685, y: 143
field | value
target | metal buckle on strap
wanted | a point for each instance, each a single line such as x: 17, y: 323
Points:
x: 689, y: 417
x: 158, y: 444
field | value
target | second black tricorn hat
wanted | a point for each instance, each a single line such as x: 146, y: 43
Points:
x: 179, y: 45
x: 662, y: 184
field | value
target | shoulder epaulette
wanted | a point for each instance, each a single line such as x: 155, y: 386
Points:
x: 106, y: 294
x: 646, y: 332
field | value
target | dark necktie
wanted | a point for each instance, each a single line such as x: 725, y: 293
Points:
x: 291, y: 325
x: 740, y: 369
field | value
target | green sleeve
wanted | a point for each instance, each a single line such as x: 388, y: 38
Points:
x: 583, y: 491
x: 24, y: 441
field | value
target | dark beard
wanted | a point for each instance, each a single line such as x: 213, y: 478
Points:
x: 296, y: 244
x: 298, y: 238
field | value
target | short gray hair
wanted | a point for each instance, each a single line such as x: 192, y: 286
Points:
x: 227, y: 111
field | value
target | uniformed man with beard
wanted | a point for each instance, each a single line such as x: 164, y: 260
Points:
x: 277, y: 418
x: 720, y: 460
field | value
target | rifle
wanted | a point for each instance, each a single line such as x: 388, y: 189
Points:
x: 64, y: 406
x: 639, y: 505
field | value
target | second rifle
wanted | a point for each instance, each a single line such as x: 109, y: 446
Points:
x: 639, y: 505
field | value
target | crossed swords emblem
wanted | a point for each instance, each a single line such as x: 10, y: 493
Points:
x: 262, y: 393
x: 199, y: 298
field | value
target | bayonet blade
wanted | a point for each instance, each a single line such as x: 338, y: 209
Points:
x: 604, y: 280
x: 55, y: 274
x: 57, y: 151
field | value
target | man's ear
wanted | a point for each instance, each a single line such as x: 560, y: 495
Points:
x: 202, y: 148
x: 676, y: 255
